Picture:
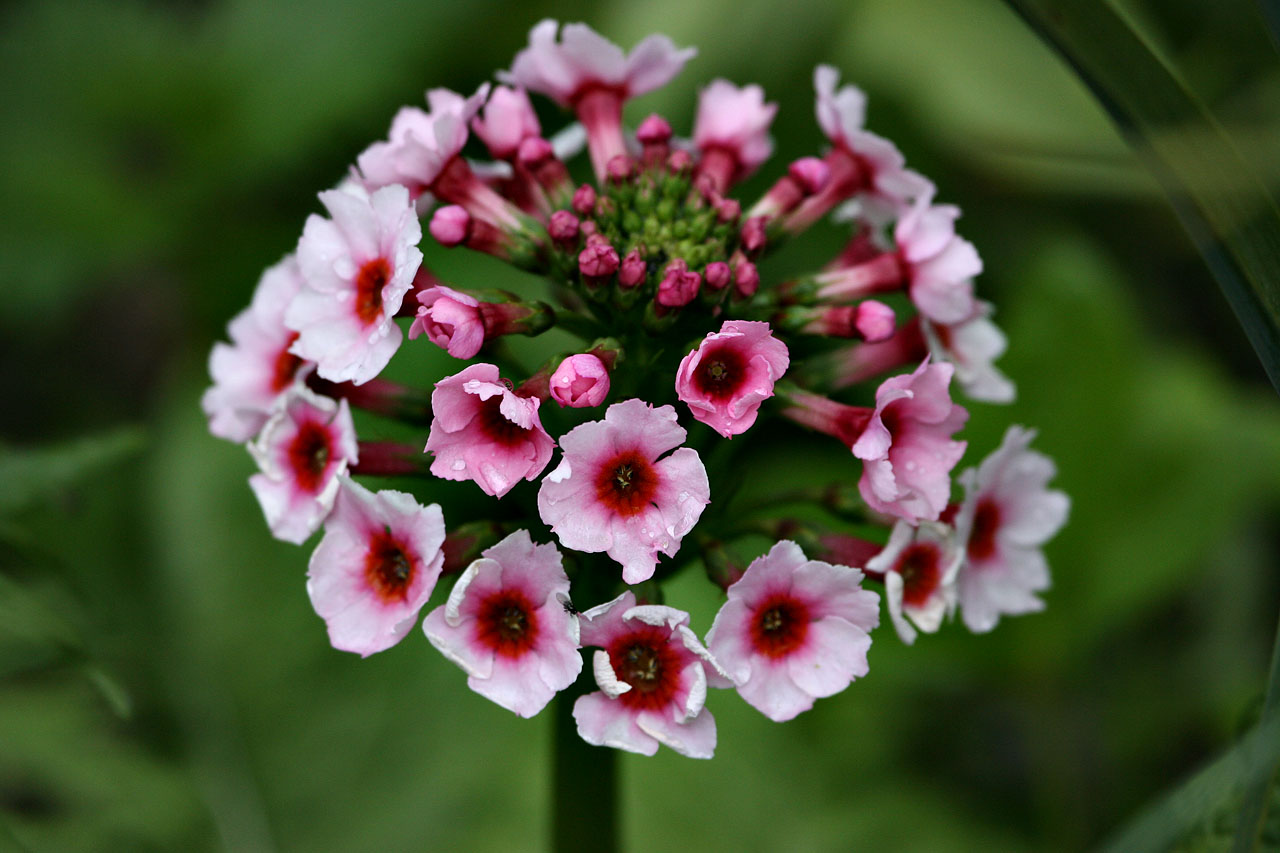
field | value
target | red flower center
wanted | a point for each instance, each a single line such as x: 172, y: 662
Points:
x: 309, y: 455
x: 920, y: 572
x: 370, y: 280
x: 720, y: 373
x: 780, y: 626
x: 495, y: 425
x: 389, y: 567
x: 986, y: 521
x: 286, y: 366
x: 507, y: 623
x: 651, y: 664
x: 627, y: 483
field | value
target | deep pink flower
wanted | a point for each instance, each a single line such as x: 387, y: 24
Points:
x: 972, y: 346
x: 507, y: 120
x: 483, y: 431
x: 1008, y: 513
x: 730, y: 374
x: 420, y: 144
x: 581, y: 380
x: 356, y: 269
x: 919, y: 566
x: 652, y: 673
x: 906, y: 446
x: 794, y: 630
x: 732, y: 131
x: 612, y: 493
x: 375, y: 568
x: 451, y: 320
x: 302, y: 451
x: 251, y: 375
x: 506, y: 626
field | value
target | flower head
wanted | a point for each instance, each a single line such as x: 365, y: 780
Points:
x: 612, y: 492
x: 919, y: 566
x: 505, y: 625
x: 356, y: 269
x: 735, y: 122
x: 485, y: 432
x: 1008, y: 513
x: 375, y: 567
x: 793, y: 630
x: 302, y: 451
x: 451, y: 320
x: 972, y: 346
x: 726, y: 378
x: 420, y: 144
x: 508, y: 119
x: 652, y: 673
x: 940, y: 265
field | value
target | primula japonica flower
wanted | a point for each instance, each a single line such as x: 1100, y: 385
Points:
x: 973, y: 346
x: 485, y: 432
x: 919, y: 566
x: 253, y: 373
x: 505, y: 625
x: 302, y: 451
x: 730, y: 374
x: 793, y: 630
x: 507, y: 120
x: 653, y: 675
x: 732, y: 131
x: 356, y: 269
x: 375, y: 568
x: 580, y: 381
x: 451, y: 320
x: 612, y: 492
x: 421, y: 144
x: 1008, y: 513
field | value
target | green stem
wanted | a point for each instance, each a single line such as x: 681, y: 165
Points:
x: 586, y: 782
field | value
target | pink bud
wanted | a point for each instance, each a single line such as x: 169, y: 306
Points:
x: 753, y: 234
x: 728, y: 210
x: 598, y: 261
x: 653, y: 131
x: 874, y: 321
x: 633, y: 270
x: 679, y: 161
x: 618, y: 168
x: 746, y: 279
x: 563, y: 227
x: 533, y: 152
x: 584, y: 199
x: 580, y: 381
x: 810, y: 173
x: 718, y: 275
x: 679, y: 286
x: 449, y: 225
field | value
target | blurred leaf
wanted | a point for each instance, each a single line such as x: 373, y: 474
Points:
x: 34, y: 474
x: 1230, y: 216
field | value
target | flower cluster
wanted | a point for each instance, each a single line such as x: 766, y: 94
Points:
x: 623, y: 443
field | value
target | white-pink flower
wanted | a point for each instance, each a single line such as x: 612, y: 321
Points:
x: 581, y: 380
x: 507, y: 120
x: 793, y: 630
x: 919, y: 565
x: 732, y: 130
x: 972, y: 346
x: 483, y: 431
x: 939, y: 266
x: 726, y: 378
x: 420, y: 143
x: 356, y: 269
x: 506, y: 626
x: 451, y: 320
x: 653, y: 674
x: 1008, y: 513
x: 583, y: 59
x: 907, y: 447
x: 375, y: 568
x: 251, y: 375
x: 612, y: 492
x: 302, y: 450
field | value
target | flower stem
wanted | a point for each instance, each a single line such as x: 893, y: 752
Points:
x: 585, y: 794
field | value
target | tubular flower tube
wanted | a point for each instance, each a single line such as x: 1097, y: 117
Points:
x: 659, y: 281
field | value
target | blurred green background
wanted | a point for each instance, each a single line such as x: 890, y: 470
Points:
x: 164, y: 683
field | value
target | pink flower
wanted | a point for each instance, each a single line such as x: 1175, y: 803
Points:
x: 302, y: 451
x: 451, y: 320
x: 730, y: 374
x: 356, y: 269
x: 906, y: 447
x: 919, y: 566
x: 652, y: 673
x: 1008, y: 513
x: 420, y: 143
x: 580, y: 381
x: 483, y: 431
x: 506, y: 626
x: 794, y: 630
x: 508, y: 119
x: 612, y: 493
x: 939, y: 265
x: 732, y: 131
x: 375, y: 568
x: 972, y: 346
x: 251, y: 375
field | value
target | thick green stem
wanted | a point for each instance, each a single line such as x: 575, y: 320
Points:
x: 586, y: 782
